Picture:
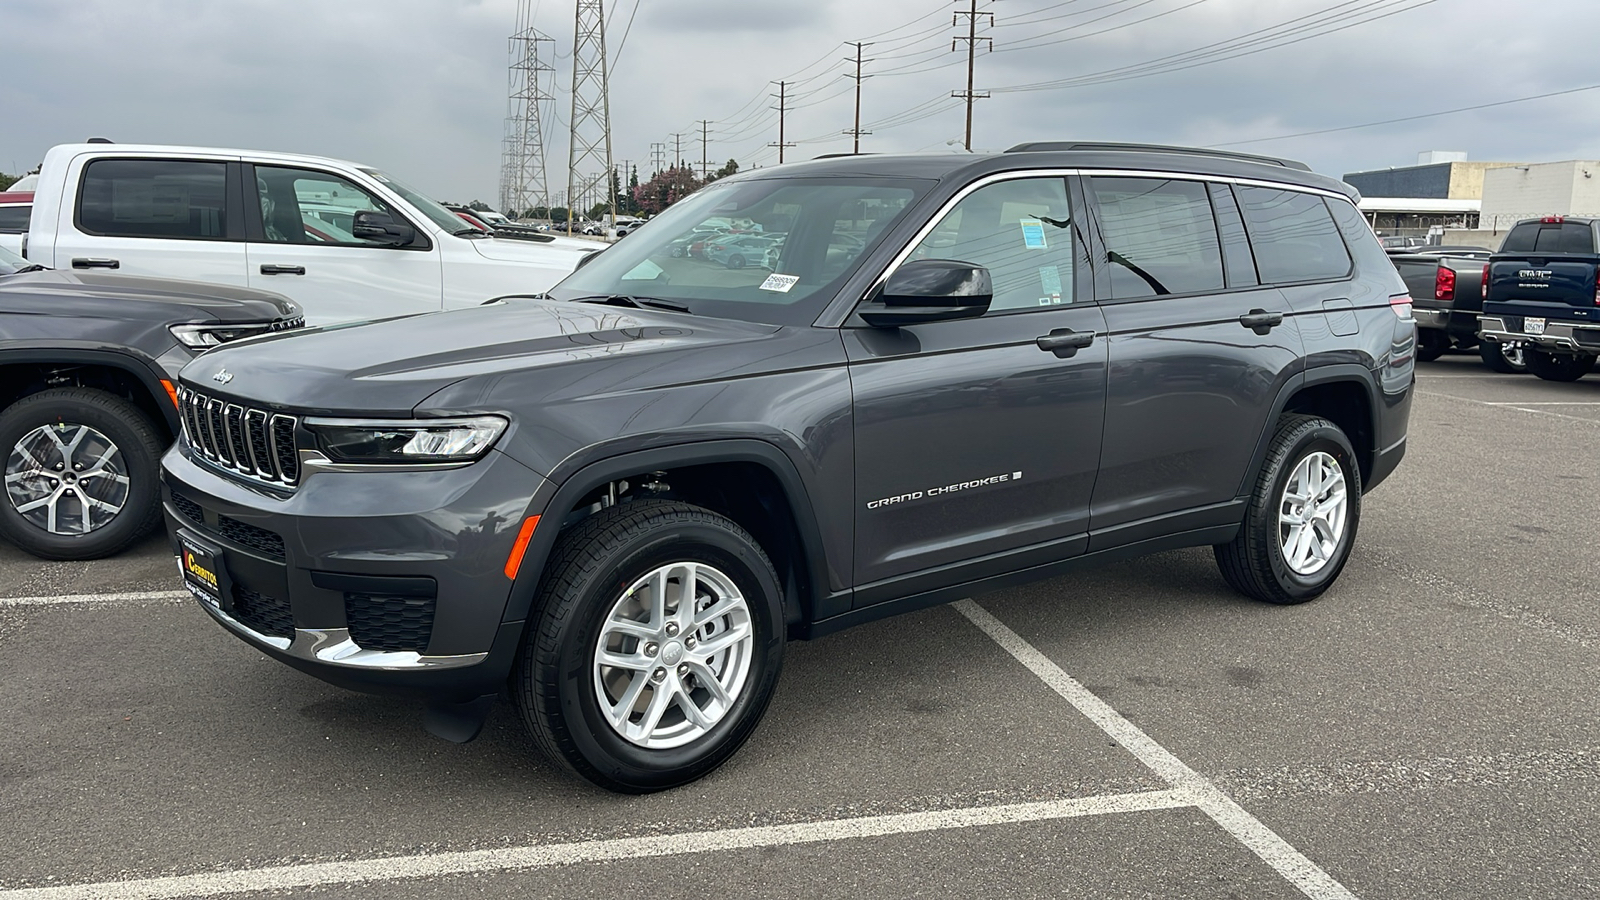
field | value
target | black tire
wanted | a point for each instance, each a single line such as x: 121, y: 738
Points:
x: 1253, y: 563
x: 736, y: 261
x: 678, y: 253
x: 1493, y: 354
x: 1431, y: 344
x: 140, y: 446
x: 1557, y: 367
x: 589, y: 569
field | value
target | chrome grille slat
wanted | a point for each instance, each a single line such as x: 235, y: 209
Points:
x: 255, y: 444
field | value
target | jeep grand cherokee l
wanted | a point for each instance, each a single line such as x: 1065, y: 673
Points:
x: 620, y: 499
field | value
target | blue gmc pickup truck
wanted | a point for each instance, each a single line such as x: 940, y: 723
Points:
x: 1541, y: 288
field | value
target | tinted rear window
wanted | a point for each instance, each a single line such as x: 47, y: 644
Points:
x: 1550, y: 237
x: 154, y: 198
x: 1160, y: 235
x: 14, y: 219
x: 1293, y: 236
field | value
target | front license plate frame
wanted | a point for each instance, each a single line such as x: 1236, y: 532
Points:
x: 205, y: 571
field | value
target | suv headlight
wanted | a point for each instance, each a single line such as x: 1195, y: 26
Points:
x: 407, y: 440
x: 204, y: 337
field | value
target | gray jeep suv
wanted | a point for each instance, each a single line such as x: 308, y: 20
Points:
x: 949, y: 374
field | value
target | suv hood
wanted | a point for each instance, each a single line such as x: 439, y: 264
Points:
x: 387, y: 368
x: 58, y: 293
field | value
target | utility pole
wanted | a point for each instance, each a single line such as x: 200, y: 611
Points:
x: 971, y: 39
x: 705, y: 143
x: 591, y: 106
x: 523, y: 183
x: 677, y: 149
x: 856, y: 132
x: 658, y: 153
x: 782, y: 95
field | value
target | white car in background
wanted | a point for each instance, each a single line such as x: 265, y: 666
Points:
x: 277, y: 221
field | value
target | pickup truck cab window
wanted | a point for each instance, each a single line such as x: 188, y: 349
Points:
x: 1550, y: 237
x: 154, y: 198
x: 1160, y: 235
x: 1020, y: 230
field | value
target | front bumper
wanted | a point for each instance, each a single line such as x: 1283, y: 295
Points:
x: 1570, y: 337
x: 388, y: 582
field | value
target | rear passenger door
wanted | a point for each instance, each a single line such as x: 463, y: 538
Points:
x: 1299, y: 250
x: 1198, y: 350
x: 172, y: 218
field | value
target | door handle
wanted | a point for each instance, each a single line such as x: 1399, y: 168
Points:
x: 1064, y: 342
x: 1260, y: 321
x: 81, y: 262
x: 282, y: 270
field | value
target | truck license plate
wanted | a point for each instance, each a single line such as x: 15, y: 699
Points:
x: 1533, y: 325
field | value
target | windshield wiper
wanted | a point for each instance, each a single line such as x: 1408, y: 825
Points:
x: 33, y: 268
x: 633, y: 301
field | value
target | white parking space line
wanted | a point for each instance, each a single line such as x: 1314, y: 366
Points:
x: 1245, y: 828
x: 1519, y: 407
x: 67, y: 599
x: 1541, y: 402
x: 477, y: 862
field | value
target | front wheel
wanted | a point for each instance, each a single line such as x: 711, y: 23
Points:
x: 655, y: 646
x: 736, y: 261
x: 1302, y: 517
x: 1555, y: 367
x: 81, y: 473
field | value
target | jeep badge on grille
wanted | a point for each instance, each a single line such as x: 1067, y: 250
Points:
x: 223, y: 376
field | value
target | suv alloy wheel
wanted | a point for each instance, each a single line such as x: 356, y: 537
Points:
x: 654, y: 646
x: 1302, y: 517
x: 80, y: 473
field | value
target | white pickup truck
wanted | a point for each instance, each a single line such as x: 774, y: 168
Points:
x: 343, y: 240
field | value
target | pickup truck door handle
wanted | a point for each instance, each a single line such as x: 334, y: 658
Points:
x: 1064, y: 342
x: 82, y: 262
x: 1260, y: 321
x: 269, y: 269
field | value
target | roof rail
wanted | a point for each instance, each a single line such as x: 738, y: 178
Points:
x: 839, y: 155
x: 1047, y: 146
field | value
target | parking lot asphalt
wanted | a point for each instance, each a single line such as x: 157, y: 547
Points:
x: 1425, y: 729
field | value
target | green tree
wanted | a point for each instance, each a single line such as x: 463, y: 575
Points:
x: 6, y: 181
x: 480, y: 206
x: 666, y: 188
x: 732, y: 168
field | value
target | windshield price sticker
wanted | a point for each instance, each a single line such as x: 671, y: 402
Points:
x: 1033, y: 234
x: 780, y: 283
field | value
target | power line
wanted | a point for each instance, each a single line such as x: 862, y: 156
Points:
x: 1431, y: 115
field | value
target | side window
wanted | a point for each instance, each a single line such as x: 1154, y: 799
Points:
x: 154, y: 198
x: 1161, y: 237
x: 304, y: 206
x: 1020, y: 230
x: 14, y: 219
x: 1293, y: 234
x: 1360, y: 240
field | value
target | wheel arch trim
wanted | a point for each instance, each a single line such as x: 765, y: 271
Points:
x: 142, y: 368
x: 1349, y: 373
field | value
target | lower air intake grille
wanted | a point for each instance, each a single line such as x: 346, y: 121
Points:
x: 258, y: 539
x: 189, y: 509
x: 262, y: 614
x: 389, y: 623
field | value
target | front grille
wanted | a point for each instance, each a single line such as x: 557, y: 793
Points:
x: 286, y: 324
x: 190, y: 509
x: 258, y: 539
x: 262, y: 614
x: 389, y: 623
x: 255, y: 443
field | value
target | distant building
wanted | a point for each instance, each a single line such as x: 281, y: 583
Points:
x: 1442, y: 189
x: 1569, y: 188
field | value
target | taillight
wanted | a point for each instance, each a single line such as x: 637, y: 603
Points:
x: 1444, y: 284
x: 1597, y: 286
x: 1485, y: 287
x: 1401, y: 304
x: 1553, y: 220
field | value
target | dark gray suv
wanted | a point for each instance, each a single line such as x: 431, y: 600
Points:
x: 948, y: 374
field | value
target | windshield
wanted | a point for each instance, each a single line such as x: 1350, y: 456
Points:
x: 769, y: 250
x: 10, y: 262
x: 441, y: 217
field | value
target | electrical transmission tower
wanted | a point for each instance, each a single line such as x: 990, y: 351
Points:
x: 856, y: 132
x: 523, y: 184
x: 782, y: 103
x: 590, y: 147
x: 971, y: 39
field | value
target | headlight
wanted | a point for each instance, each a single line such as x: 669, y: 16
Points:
x: 204, y: 337
x: 406, y: 441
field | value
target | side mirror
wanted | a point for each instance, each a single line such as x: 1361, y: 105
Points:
x: 930, y: 290
x: 372, y: 225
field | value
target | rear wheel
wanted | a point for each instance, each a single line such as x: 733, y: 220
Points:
x: 1302, y: 518
x: 736, y: 261
x: 1431, y: 344
x: 1506, y: 357
x: 1557, y: 367
x: 81, y: 470
x: 655, y: 646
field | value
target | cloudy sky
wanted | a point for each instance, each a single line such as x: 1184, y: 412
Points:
x: 418, y: 87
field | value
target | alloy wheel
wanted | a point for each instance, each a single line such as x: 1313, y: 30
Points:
x: 67, y: 479
x: 1311, y: 513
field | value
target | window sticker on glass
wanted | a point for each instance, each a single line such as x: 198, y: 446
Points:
x: 780, y: 283
x: 1033, y: 234
x: 1050, y: 285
